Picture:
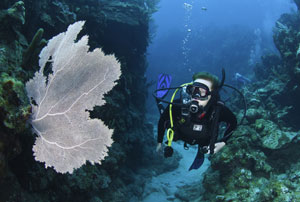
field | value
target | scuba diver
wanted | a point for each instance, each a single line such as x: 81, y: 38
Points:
x: 240, y: 79
x: 194, y: 118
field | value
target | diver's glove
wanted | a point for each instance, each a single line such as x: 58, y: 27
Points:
x: 168, y: 151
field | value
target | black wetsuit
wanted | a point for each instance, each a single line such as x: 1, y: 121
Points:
x: 195, y: 129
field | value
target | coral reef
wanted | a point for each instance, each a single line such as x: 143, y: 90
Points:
x: 30, y: 55
x: 13, y: 15
x: 260, y: 161
x: 256, y: 164
x: 117, y: 27
x: 287, y: 40
x: 12, y: 19
x: 14, y: 108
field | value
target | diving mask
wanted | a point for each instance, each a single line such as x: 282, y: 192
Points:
x: 198, y: 91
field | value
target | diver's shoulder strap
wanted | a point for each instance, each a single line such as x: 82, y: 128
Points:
x: 215, y: 126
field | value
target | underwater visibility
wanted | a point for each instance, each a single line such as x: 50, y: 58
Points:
x: 149, y: 101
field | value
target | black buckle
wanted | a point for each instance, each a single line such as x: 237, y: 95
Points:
x: 185, y: 146
x: 204, y: 149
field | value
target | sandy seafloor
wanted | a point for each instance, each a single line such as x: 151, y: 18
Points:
x: 163, y: 187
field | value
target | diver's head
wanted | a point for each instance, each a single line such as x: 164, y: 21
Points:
x: 202, y: 87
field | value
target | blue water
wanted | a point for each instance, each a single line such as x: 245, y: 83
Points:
x: 209, y: 35
x: 206, y: 35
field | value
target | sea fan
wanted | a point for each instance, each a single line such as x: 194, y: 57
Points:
x: 67, y: 136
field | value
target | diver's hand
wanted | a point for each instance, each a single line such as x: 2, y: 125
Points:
x: 218, y: 147
x: 158, y: 147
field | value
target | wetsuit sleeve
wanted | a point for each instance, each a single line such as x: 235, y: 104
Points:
x: 229, y: 118
x: 162, y: 124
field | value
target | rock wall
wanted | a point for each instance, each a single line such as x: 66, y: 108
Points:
x: 119, y: 27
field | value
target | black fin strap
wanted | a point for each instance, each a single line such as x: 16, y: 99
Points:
x: 214, y: 129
